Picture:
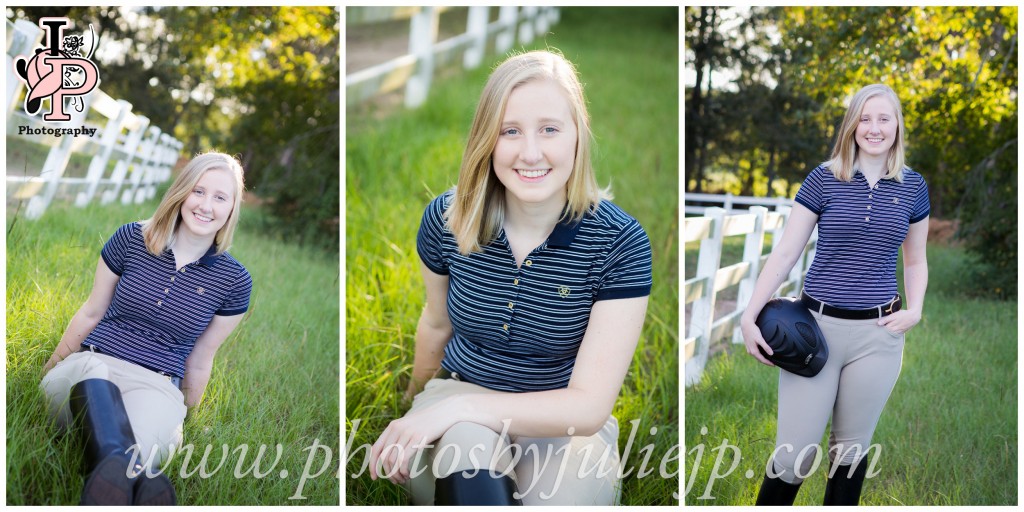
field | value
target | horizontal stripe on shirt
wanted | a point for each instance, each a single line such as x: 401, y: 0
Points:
x: 158, y: 311
x: 860, y: 231
x: 520, y: 328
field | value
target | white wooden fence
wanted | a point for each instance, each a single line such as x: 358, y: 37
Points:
x: 415, y: 70
x: 142, y: 154
x: 701, y: 291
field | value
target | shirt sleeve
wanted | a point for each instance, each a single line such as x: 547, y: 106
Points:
x: 429, y: 239
x: 811, y: 191
x: 922, y: 205
x: 627, y: 269
x: 115, y: 251
x: 238, y: 301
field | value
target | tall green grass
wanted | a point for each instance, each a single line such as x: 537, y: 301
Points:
x: 948, y: 432
x: 275, y: 380
x: 397, y: 163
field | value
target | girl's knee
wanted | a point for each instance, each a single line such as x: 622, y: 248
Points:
x: 793, y: 466
x: 470, y: 446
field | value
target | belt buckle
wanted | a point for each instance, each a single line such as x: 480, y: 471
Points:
x: 892, y: 304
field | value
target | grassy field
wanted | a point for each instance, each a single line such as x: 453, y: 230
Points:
x: 396, y: 163
x: 274, y: 384
x: 949, y: 431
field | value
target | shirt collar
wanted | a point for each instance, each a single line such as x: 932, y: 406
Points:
x: 211, y: 256
x: 564, y: 233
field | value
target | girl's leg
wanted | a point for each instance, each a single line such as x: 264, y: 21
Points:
x: 864, y: 387
x: 156, y: 409
x: 57, y: 383
x: 805, y: 404
x: 466, y: 447
x: 571, y: 470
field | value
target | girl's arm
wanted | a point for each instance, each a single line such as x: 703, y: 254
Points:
x: 432, y: 332
x: 200, y: 362
x: 87, y: 316
x: 780, y: 263
x: 580, y: 409
x: 915, y: 279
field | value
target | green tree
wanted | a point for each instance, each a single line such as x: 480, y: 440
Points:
x: 259, y: 82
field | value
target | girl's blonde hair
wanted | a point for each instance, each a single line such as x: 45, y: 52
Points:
x: 843, y: 162
x: 158, y: 231
x: 477, y: 211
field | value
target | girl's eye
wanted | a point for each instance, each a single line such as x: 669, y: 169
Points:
x: 550, y: 129
x: 221, y: 198
x: 510, y: 131
x: 197, y: 192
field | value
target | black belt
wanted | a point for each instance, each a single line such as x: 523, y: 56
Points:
x: 852, y: 314
x: 174, y: 379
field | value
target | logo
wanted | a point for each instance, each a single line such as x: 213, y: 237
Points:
x: 57, y: 71
x: 563, y: 291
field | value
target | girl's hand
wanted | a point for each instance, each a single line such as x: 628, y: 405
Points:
x: 752, y: 339
x: 900, y: 321
x: 392, y: 455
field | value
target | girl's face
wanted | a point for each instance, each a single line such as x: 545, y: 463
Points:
x: 536, y: 146
x: 208, y: 206
x: 876, y: 131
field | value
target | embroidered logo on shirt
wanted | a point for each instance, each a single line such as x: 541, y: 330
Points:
x: 563, y: 291
x: 895, y: 200
x: 200, y: 290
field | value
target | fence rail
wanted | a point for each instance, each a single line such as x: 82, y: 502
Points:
x: 701, y: 291
x: 415, y: 69
x: 130, y: 156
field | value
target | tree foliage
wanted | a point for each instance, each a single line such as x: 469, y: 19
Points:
x: 259, y: 82
x: 793, y: 70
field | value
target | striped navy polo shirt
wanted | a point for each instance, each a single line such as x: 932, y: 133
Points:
x: 860, y: 231
x: 157, y: 311
x: 519, y: 328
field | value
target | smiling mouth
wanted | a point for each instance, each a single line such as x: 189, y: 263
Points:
x: 532, y: 173
x: 202, y: 218
x: 875, y: 141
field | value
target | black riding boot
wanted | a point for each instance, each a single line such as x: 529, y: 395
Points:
x: 844, y: 485
x: 478, y: 489
x: 97, y: 406
x: 775, y: 491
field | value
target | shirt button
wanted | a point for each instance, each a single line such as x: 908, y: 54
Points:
x: 867, y: 219
x: 167, y: 290
x: 869, y: 207
x: 528, y: 263
x: 869, y: 196
x: 515, y: 282
x: 505, y: 327
x: 159, y: 303
x: 172, y: 279
x: 510, y: 305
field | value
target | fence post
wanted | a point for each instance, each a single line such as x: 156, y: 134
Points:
x: 145, y: 155
x: 56, y: 162
x: 99, y: 161
x: 131, y: 146
x: 24, y: 40
x: 476, y: 25
x: 508, y: 17
x: 422, y: 36
x: 752, y: 246
x: 541, y: 21
x: 526, y: 27
x: 703, y: 311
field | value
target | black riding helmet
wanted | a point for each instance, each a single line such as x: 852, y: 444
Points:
x: 790, y: 330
